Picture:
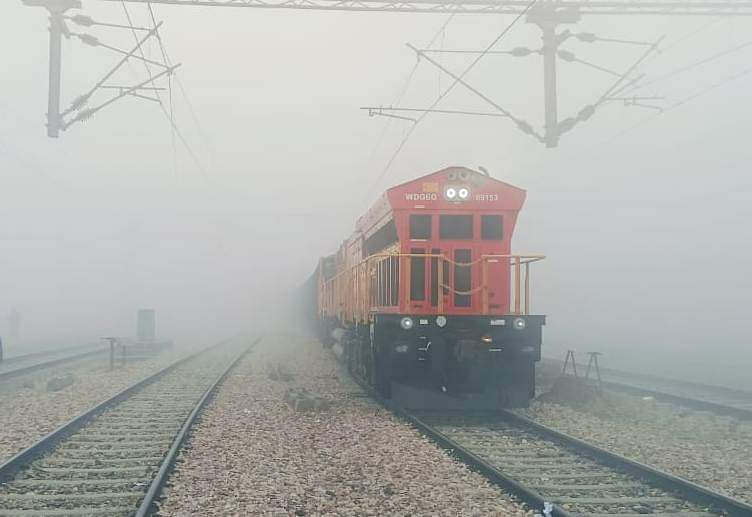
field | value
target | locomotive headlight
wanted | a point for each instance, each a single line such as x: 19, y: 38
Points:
x: 450, y: 193
x: 441, y: 321
x: 463, y: 193
x: 406, y: 323
x: 519, y: 323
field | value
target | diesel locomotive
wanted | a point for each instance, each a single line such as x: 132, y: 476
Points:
x: 426, y: 302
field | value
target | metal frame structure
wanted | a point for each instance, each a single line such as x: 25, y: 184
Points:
x: 59, y: 120
x: 57, y: 10
x: 568, y: 7
x: 548, y: 15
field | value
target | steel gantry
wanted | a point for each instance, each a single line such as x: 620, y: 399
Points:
x: 573, y: 7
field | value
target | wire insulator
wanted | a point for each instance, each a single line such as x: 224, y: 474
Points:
x: 79, y: 102
x: 84, y: 21
x: 586, y: 112
x: 520, y: 52
x: 85, y: 115
x: 587, y: 37
x: 567, y: 124
x: 525, y: 127
x: 88, y: 39
x: 566, y: 55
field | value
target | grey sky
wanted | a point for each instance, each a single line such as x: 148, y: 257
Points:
x: 647, y: 233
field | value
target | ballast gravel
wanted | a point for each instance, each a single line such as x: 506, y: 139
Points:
x: 28, y: 411
x: 253, y: 454
x: 711, y: 450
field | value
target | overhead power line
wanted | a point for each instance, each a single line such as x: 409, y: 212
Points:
x: 457, y: 80
x: 681, y: 102
x: 691, y: 66
x: 548, y: 15
x: 598, y: 7
x: 406, y: 84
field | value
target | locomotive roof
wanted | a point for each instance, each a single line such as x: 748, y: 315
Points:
x: 509, y: 197
x: 456, y: 169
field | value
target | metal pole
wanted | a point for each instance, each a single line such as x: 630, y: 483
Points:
x: 54, y: 121
x: 517, y: 286
x: 527, y: 287
x: 548, y: 16
x: 551, y: 135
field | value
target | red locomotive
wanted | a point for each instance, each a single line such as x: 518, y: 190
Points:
x: 425, y: 300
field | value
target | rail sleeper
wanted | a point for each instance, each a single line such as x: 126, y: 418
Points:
x: 580, y: 485
x: 107, y: 466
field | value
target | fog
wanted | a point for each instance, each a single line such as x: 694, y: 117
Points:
x: 644, y: 217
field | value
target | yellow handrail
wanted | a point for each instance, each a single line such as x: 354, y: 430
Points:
x: 352, y: 294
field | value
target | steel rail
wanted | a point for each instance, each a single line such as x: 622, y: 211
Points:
x: 694, y: 492
x: 23, y: 370
x: 47, y: 351
x: 720, y: 400
x: 13, y: 465
x: 494, y: 475
x: 718, y: 408
x: 691, y: 491
x: 148, y: 505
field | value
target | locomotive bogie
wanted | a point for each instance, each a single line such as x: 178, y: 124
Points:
x: 472, y: 361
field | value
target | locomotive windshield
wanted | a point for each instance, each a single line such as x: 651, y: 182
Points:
x: 420, y: 226
x: 455, y: 227
x: 492, y: 227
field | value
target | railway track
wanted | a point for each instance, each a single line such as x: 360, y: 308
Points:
x: 114, y: 459
x: 541, y: 465
x: 719, y: 400
x: 559, y: 475
x: 17, y: 366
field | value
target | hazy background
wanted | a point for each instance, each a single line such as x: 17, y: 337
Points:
x: 647, y: 232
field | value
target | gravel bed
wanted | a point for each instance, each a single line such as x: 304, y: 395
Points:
x: 105, y: 468
x: 578, y: 484
x: 28, y: 411
x: 251, y: 454
x: 714, y: 451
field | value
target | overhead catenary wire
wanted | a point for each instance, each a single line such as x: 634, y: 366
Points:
x: 456, y: 81
x: 520, y: 123
x: 169, y: 96
x: 406, y: 84
x: 83, y: 99
x: 176, y: 77
x: 675, y: 105
x: 690, y: 66
x: 634, y: 85
x: 174, y: 129
x: 373, y: 111
x: 615, y: 87
x: 683, y: 39
x: 192, y: 111
x: 135, y: 38
x: 159, y: 37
